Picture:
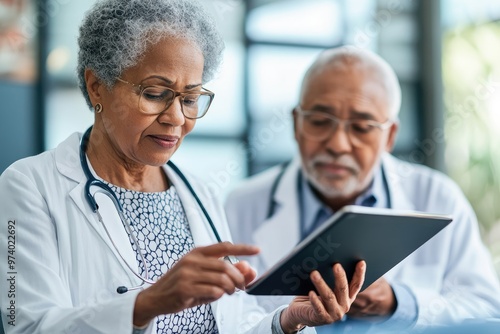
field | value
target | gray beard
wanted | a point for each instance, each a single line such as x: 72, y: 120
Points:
x: 327, y: 191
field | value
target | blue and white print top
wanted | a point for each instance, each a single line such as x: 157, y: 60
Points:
x: 161, y: 228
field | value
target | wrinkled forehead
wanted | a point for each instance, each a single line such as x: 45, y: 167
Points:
x: 356, y: 87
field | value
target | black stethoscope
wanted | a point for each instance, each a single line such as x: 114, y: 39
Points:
x: 272, y: 204
x: 106, y: 190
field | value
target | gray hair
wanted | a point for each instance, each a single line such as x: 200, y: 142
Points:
x: 115, y: 33
x: 350, y: 56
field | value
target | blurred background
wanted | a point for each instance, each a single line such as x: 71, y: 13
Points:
x: 446, y: 54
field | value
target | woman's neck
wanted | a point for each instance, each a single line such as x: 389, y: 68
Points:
x: 122, y: 172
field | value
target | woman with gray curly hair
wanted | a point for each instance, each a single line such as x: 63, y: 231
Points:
x: 113, y: 238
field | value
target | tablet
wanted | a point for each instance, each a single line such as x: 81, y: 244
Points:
x: 381, y: 237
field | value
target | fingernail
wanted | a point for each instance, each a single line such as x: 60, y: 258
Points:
x: 362, y: 265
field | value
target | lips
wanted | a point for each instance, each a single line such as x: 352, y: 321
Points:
x: 165, y: 141
x: 334, y: 169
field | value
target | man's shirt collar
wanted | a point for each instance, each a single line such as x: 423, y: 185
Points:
x: 314, y: 212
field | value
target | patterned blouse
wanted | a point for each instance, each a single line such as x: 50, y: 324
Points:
x: 161, y: 228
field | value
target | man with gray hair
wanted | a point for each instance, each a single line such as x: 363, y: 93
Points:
x: 345, y: 126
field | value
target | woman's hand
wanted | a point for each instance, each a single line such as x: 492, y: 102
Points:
x: 327, y: 307
x: 200, y: 277
x: 247, y: 271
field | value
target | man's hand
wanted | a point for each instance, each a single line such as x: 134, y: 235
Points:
x: 377, y: 300
x: 327, y: 306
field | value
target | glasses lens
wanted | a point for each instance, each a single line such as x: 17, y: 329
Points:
x: 363, y: 132
x: 317, y: 126
x: 195, y: 105
x: 155, y: 99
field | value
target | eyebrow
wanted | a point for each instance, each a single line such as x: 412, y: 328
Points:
x: 320, y: 107
x: 170, y: 82
x: 362, y: 115
x: 355, y: 114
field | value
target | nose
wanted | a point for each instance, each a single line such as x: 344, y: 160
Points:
x: 339, y: 142
x: 173, y: 114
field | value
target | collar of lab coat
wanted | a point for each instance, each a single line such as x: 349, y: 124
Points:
x: 68, y: 164
x: 397, y: 174
x: 286, y: 216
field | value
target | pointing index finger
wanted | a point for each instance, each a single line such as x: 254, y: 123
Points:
x: 224, y: 249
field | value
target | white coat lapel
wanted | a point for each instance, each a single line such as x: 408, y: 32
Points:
x: 395, y: 172
x: 278, y: 234
x: 68, y: 164
x: 117, y: 231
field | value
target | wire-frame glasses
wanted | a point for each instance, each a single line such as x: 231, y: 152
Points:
x: 153, y: 100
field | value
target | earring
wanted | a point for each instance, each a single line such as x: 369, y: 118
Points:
x: 98, y: 108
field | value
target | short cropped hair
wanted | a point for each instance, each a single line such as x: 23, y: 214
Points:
x: 348, y: 55
x: 115, y: 34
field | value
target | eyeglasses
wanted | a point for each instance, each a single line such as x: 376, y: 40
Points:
x: 319, y: 126
x: 154, y: 100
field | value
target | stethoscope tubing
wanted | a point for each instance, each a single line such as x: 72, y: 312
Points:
x: 107, y: 191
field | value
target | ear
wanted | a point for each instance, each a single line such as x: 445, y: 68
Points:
x: 391, y: 140
x: 94, y: 87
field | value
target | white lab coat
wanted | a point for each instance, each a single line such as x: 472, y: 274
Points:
x: 67, y: 271
x: 451, y: 276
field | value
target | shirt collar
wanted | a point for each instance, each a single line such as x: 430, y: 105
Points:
x: 314, y: 212
x: 311, y: 207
